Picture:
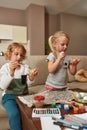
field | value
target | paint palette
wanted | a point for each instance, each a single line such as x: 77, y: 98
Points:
x: 45, y: 112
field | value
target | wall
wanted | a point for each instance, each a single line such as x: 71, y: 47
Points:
x: 35, y: 16
x: 76, y: 27
x: 12, y: 16
x: 41, y: 25
x: 51, y: 26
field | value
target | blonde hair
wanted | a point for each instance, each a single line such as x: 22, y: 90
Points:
x: 12, y: 47
x: 55, y: 37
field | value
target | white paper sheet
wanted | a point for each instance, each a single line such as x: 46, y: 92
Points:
x: 83, y: 116
x: 47, y: 122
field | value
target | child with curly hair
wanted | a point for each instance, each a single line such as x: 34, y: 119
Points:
x: 12, y: 82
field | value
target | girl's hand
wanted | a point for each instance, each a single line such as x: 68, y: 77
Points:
x: 75, y: 61
x: 13, y: 66
x: 32, y: 74
x: 61, y: 55
x: 73, y: 66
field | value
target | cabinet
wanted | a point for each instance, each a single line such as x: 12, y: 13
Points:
x: 5, y: 32
x: 19, y: 34
x: 14, y: 33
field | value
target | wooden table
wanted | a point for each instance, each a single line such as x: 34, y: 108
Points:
x: 29, y: 123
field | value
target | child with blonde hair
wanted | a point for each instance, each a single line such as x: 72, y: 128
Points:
x: 14, y: 80
x: 59, y: 62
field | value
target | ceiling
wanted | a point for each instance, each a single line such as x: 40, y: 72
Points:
x: 78, y: 7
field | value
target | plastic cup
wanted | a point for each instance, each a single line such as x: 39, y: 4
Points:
x: 39, y: 101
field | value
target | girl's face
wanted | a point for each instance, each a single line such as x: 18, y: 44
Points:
x: 17, y: 55
x: 61, y: 44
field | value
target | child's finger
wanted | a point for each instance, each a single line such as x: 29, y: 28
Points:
x: 33, y: 72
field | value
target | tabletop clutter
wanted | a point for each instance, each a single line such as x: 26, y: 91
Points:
x: 69, y: 102
x: 70, y: 108
x: 77, y: 107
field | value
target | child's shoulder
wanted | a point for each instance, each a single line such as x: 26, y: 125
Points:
x: 51, y: 57
x: 4, y: 66
x: 51, y: 54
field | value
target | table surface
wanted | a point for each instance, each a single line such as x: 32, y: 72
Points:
x: 29, y: 123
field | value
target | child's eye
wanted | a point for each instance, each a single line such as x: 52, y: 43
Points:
x: 16, y: 54
x: 62, y: 44
x: 21, y: 55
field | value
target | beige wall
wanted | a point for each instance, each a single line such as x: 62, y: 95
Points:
x: 36, y: 29
x: 12, y: 16
x: 34, y: 18
x: 76, y: 27
x: 41, y: 25
x: 51, y: 26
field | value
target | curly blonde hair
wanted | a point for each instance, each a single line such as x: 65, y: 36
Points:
x: 55, y: 37
x: 12, y: 47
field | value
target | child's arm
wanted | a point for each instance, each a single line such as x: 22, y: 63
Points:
x: 52, y: 66
x: 73, y: 66
x: 5, y: 77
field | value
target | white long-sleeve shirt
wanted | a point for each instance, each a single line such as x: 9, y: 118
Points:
x: 6, y: 78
